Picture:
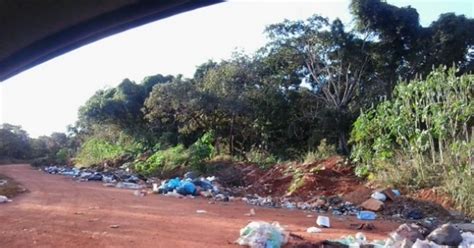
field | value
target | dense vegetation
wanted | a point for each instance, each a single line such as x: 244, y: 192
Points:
x: 300, y: 97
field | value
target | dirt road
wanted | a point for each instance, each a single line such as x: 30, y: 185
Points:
x: 60, y: 212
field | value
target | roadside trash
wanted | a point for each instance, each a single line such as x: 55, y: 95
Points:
x: 372, y: 205
x: 379, y: 196
x: 424, y: 244
x: 125, y: 185
x: 186, y: 188
x: 390, y: 194
x: 361, y: 237
x: 108, y: 184
x: 4, y: 199
x: 174, y: 194
x: 313, y: 229
x: 366, y: 215
x: 173, y: 184
x: 259, y: 234
x: 467, y: 240
x: 396, y: 192
x: 358, y: 241
x: 206, y: 194
x: 155, y: 188
x: 200, y: 211
x: 114, y: 226
x: 414, y: 214
x: 108, y: 179
x: 364, y: 226
x: 251, y: 213
x: 191, y: 175
x: 94, y: 177
x: 139, y: 193
x: 465, y: 227
x: 221, y: 197
x: 3, y: 182
x: 446, y: 235
x: 410, y: 232
x: 323, y: 221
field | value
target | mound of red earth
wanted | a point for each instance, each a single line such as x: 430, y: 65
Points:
x: 332, y: 176
x: 324, y: 179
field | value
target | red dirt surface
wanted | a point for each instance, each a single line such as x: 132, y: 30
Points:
x: 434, y: 195
x: 59, y: 212
x: 323, y: 178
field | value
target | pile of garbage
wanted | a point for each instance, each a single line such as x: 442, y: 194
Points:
x: 120, y: 178
x: 416, y: 236
x: 335, y: 205
x: 259, y: 234
x: 192, y: 185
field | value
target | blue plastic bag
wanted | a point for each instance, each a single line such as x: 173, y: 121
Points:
x: 366, y: 215
x: 186, y: 188
x: 173, y: 184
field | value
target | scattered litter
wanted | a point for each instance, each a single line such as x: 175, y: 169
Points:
x: 4, y: 199
x: 373, y: 205
x: 3, y: 182
x: 155, y: 188
x: 323, y: 221
x: 379, y: 196
x: 126, y: 185
x: 251, y: 213
x: 358, y: 241
x: 364, y: 226
x: 410, y: 232
x: 366, y: 215
x: 114, y: 226
x: 396, y: 192
x: 446, y: 235
x: 310, y: 216
x: 467, y: 240
x: 313, y: 229
x: 174, y: 194
x: 414, y: 214
x: 200, y: 211
x: 259, y: 234
x: 140, y: 193
x: 465, y: 227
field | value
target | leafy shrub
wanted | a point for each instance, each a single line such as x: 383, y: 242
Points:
x: 261, y: 157
x: 96, y: 150
x: 168, y: 160
x: 62, y: 156
x: 322, y: 151
x: 422, y: 137
x: 173, y: 157
x: 202, y: 150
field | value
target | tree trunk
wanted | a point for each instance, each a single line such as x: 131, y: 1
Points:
x: 231, y: 143
x: 342, y: 143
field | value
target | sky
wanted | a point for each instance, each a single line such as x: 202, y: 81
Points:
x: 46, y: 98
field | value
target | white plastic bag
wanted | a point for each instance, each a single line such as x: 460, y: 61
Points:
x: 260, y: 234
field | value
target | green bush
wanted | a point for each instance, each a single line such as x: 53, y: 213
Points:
x: 62, y: 156
x: 169, y: 159
x: 96, y: 150
x: 163, y: 160
x: 322, y: 151
x: 261, y: 157
x: 422, y: 137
